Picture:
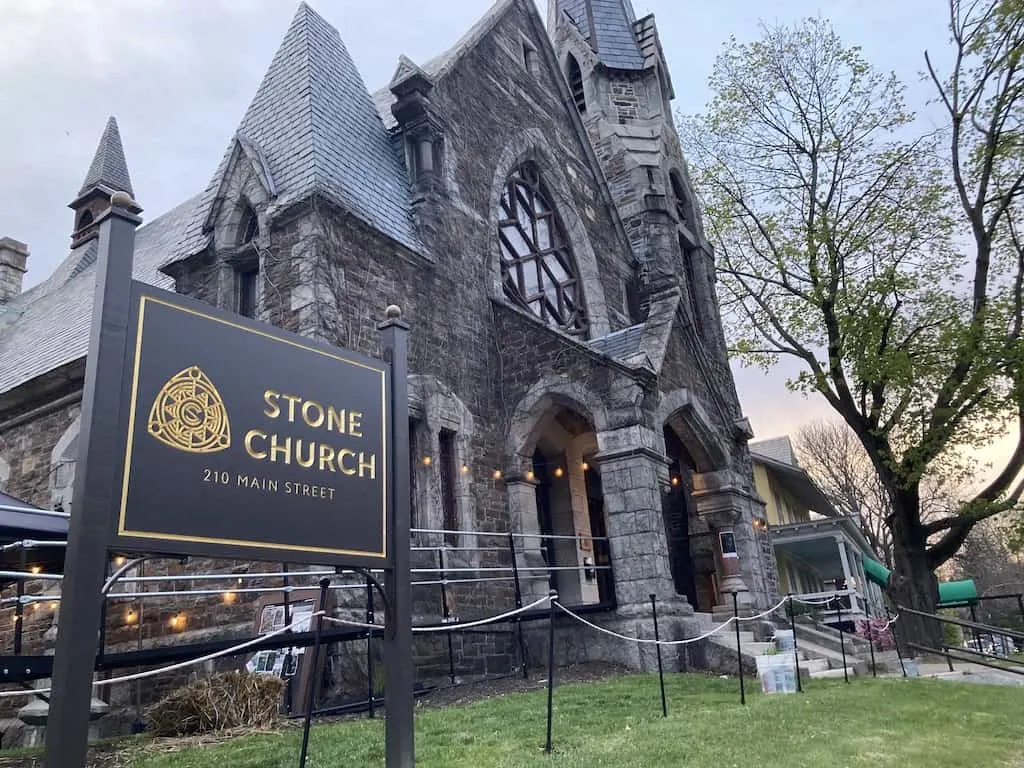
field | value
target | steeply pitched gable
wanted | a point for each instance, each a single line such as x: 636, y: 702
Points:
x: 318, y: 131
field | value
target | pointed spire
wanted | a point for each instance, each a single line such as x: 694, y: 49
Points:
x: 108, y: 168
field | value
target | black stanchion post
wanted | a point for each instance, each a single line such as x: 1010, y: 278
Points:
x: 369, y: 649
x: 657, y: 645
x: 871, y: 645
x: 842, y: 635
x: 288, y: 653
x: 796, y: 651
x: 1020, y: 606
x: 519, y: 604
x: 446, y: 614
x: 895, y: 640
x: 552, y: 596
x: 18, y: 617
x: 739, y: 651
x: 314, y: 677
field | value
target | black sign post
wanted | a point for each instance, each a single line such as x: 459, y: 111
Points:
x: 398, y: 664
x: 209, y: 434
x: 95, y: 491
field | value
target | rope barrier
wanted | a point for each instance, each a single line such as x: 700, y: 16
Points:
x: 824, y: 601
x: 173, y: 667
x: 687, y: 641
x: 761, y: 615
x: 450, y: 627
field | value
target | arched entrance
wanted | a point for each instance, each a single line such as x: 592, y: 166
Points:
x: 691, y: 553
x: 569, y: 506
x: 691, y: 541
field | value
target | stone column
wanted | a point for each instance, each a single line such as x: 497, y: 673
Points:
x: 725, y: 503
x: 632, y: 480
x: 522, y: 506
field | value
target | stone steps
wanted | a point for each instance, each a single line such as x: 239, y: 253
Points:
x: 818, y: 658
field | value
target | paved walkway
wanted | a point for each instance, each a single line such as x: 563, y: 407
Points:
x: 970, y: 673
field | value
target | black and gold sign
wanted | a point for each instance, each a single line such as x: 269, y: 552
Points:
x: 243, y: 441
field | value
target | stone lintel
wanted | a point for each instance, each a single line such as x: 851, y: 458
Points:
x: 618, y: 454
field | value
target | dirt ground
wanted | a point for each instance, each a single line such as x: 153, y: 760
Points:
x: 120, y: 753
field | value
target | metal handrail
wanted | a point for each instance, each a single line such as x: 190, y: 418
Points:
x: 953, y: 651
x: 986, y: 628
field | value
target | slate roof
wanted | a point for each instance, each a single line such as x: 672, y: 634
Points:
x: 620, y: 344
x: 318, y: 129
x: 778, y: 449
x: 108, y: 168
x: 609, y: 27
x: 52, y: 319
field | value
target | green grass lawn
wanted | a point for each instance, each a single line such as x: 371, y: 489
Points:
x: 877, y: 723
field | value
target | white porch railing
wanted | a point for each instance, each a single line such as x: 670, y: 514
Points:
x: 850, y: 602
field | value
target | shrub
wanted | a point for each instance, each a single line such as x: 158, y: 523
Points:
x: 877, y: 630
x: 227, y: 700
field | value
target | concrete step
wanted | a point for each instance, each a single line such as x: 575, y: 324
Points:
x: 834, y: 658
x: 811, y: 667
x: 826, y: 637
x: 831, y: 674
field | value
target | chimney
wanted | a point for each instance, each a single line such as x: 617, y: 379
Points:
x: 13, y: 256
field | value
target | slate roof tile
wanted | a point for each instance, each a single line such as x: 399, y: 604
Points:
x: 52, y: 320
x: 620, y: 344
x: 317, y: 126
x: 776, y: 448
x: 108, y: 166
x: 612, y: 34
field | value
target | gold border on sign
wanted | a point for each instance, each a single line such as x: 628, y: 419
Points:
x: 122, y: 531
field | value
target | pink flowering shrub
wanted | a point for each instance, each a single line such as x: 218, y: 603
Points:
x: 877, y: 630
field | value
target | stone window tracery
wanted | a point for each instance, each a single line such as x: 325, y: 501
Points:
x: 538, y: 269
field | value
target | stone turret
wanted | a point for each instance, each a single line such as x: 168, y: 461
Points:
x: 107, y: 174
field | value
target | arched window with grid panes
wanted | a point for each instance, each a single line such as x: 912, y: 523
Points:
x: 537, y: 267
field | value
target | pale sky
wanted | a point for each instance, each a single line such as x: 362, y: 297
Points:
x: 179, y: 74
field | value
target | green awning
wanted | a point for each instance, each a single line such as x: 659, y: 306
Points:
x: 874, y: 570
x: 954, y: 594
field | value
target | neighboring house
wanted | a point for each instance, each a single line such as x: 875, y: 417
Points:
x: 525, y: 200
x: 819, y: 553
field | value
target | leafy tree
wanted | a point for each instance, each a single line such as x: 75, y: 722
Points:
x: 836, y: 460
x: 885, y: 261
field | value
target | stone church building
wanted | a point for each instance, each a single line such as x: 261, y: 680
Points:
x: 524, y: 198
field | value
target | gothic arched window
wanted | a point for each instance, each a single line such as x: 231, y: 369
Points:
x: 575, y: 77
x: 537, y: 267
x: 249, y: 227
x: 684, y: 208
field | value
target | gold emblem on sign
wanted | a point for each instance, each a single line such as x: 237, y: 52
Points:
x: 189, y: 414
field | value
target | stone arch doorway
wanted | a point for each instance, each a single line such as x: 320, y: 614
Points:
x: 693, y: 569
x: 566, y: 507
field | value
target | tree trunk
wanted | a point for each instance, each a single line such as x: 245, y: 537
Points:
x: 913, y: 583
